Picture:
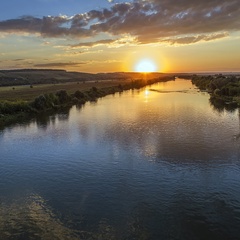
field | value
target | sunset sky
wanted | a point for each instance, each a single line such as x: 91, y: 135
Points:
x: 110, y: 36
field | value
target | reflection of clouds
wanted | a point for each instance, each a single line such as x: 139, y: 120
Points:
x: 32, y: 219
x: 161, y: 126
x: 168, y: 127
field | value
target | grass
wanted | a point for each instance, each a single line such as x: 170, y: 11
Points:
x: 26, y: 93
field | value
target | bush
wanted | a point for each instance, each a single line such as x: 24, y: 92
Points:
x: 40, y: 102
x: 217, y: 92
x: 63, y: 96
x: 45, y: 101
x: 79, y: 95
x: 7, y: 107
x: 233, y: 91
x: 120, y: 87
x: 94, y: 89
x: 51, y: 100
x: 75, y: 100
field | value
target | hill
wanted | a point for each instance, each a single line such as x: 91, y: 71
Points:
x: 51, y: 76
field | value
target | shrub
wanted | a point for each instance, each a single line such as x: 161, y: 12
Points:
x: 120, y: 87
x: 94, y: 89
x: 51, y: 100
x: 79, y: 95
x: 7, y: 107
x: 217, y: 92
x: 233, y: 91
x: 40, y: 102
x: 63, y: 96
x: 75, y: 100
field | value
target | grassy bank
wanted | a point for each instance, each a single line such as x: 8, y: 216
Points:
x: 26, y: 102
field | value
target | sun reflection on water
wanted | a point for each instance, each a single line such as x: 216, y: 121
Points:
x: 146, y: 92
x: 146, y: 95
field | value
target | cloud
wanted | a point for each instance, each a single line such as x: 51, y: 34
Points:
x: 148, y: 21
x: 58, y: 64
x: 46, y: 43
x: 92, y: 44
x: 26, y: 24
x: 195, y: 39
x: 19, y: 59
x: 110, y: 43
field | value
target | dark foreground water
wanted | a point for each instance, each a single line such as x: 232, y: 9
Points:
x: 142, y: 165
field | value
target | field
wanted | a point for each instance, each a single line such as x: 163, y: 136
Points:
x: 27, y: 93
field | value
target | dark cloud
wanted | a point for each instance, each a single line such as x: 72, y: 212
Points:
x: 147, y: 21
x: 24, y: 24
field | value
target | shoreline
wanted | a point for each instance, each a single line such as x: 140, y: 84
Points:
x: 224, y: 91
x: 12, y: 112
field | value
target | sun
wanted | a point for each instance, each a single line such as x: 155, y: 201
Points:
x: 146, y: 66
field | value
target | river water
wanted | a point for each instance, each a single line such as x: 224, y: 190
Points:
x: 157, y: 163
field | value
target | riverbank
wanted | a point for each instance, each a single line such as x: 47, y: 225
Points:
x: 224, y: 90
x: 22, y: 106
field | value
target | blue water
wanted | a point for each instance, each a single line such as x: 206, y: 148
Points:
x: 144, y: 164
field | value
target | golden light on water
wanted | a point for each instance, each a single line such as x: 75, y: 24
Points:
x: 146, y: 95
x: 146, y: 92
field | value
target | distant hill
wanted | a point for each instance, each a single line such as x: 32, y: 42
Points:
x: 51, y: 76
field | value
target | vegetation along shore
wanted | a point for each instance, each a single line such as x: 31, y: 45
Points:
x: 26, y: 101
x: 224, y: 90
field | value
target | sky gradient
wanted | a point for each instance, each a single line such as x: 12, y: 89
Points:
x: 109, y: 36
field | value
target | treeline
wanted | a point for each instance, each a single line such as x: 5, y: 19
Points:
x: 218, y: 85
x: 62, y: 99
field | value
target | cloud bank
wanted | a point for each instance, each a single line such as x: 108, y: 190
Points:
x: 147, y: 21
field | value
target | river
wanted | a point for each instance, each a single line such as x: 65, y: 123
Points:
x: 150, y: 164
